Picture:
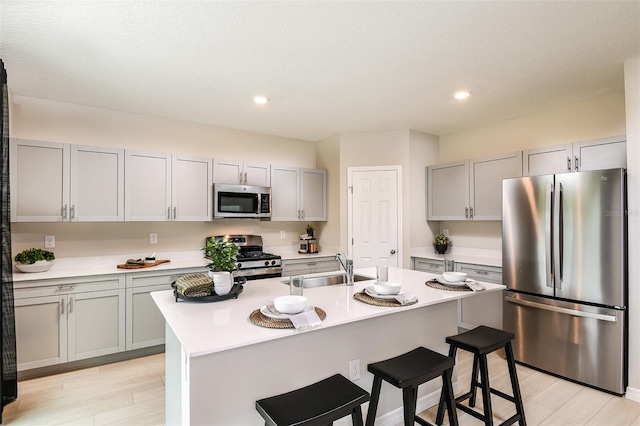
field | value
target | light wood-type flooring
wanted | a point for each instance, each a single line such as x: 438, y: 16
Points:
x: 132, y: 393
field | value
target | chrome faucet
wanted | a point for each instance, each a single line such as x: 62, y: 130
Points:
x: 347, y: 265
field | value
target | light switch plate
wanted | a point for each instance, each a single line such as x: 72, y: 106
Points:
x: 153, y: 238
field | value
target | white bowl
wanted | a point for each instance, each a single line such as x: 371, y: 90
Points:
x: 39, y: 266
x: 290, y: 304
x: 454, y: 277
x: 387, y: 287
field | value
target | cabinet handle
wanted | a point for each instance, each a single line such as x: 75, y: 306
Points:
x: 240, y: 177
x: 64, y: 212
x: 66, y: 287
x: 576, y: 163
x: 301, y: 214
x: 245, y: 177
x: 71, y: 305
x: 466, y: 212
x: 568, y: 164
x: 62, y: 307
x: 174, y: 213
x: 73, y: 211
x: 298, y: 214
x: 168, y: 213
x: 470, y: 212
x: 312, y: 263
x: 481, y: 272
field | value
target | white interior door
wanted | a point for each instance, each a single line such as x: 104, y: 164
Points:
x: 374, y: 213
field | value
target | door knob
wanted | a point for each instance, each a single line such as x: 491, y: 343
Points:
x: 393, y: 251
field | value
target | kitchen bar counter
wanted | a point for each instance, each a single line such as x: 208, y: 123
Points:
x: 219, y: 363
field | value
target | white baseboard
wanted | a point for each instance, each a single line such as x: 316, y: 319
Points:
x: 633, y: 394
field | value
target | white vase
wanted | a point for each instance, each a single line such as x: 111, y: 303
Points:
x: 222, y: 282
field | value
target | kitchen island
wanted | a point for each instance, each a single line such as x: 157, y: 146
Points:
x: 218, y: 363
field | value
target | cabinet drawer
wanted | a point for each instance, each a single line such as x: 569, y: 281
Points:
x: 56, y: 287
x: 428, y: 265
x: 492, y: 274
x: 309, y: 266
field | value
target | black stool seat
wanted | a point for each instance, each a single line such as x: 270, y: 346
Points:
x: 481, y: 341
x: 320, y: 403
x: 407, y: 372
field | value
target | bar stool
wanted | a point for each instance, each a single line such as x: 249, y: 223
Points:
x: 481, y: 341
x: 320, y: 403
x: 407, y: 372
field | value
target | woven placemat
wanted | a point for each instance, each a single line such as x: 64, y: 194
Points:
x: 436, y: 284
x: 258, y: 318
x: 365, y: 298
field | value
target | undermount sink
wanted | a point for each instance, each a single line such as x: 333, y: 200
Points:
x: 325, y: 280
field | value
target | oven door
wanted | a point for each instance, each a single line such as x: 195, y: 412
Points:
x: 236, y: 201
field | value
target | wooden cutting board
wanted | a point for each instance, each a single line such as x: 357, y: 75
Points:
x: 146, y: 265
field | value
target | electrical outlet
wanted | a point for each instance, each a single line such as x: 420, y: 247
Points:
x: 445, y: 232
x: 153, y: 238
x: 354, y: 369
x: 283, y: 235
x: 50, y: 241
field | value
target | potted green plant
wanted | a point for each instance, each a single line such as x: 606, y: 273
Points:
x: 34, y: 260
x: 223, y: 256
x: 441, y: 243
x: 310, y: 229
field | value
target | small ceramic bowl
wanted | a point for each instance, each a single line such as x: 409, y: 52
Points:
x: 149, y: 259
x: 290, y: 304
x: 387, y: 287
x: 454, y: 277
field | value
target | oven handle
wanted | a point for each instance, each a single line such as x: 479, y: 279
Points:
x: 260, y: 271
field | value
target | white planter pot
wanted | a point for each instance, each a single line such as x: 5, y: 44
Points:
x: 222, y: 282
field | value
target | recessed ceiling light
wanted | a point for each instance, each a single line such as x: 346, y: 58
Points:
x: 260, y: 100
x: 462, y: 94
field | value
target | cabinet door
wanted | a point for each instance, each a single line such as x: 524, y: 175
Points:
x: 313, y: 195
x: 228, y: 172
x: 39, y: 181
x: 284, y: 194
x: 97, y: 184
x: 486, y: 184
x: 96, y: 323
x: 191, y: 188
x: 600, y: 154
x: 147, y: 186
x: 145, y: 323
x: 547, y: 161
x: 41, y: 331
x: 483, y: 308
x: 257, y: 174
x: 448, y: 191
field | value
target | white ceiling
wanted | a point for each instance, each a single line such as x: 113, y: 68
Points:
x: 328, y: 67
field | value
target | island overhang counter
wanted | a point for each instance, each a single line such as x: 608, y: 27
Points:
x: 218, y: 363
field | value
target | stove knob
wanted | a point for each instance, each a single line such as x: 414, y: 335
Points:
x: 239, y: 265
x: 266, y: 263
x: 273, y: 263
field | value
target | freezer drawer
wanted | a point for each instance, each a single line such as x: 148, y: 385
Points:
x: 579, y: 342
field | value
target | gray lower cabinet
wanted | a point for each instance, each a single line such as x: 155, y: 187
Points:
x: 145, y: 324
x: 482, y: 309
x: 309, y: 266
x: 62, y: 320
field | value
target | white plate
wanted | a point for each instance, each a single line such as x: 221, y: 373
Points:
x: 371, y: 292
x: 267, y: 313
x: 458, y: 284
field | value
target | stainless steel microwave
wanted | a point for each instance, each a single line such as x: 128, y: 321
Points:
x: 241, y: 201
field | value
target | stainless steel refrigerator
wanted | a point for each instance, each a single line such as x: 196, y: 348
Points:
x: 564, y: 262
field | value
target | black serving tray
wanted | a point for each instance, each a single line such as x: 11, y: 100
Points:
x: 233, y: 294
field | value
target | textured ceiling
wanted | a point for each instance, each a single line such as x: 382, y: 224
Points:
x: 328, y: 67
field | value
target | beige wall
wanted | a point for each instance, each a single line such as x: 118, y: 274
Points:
x: 632, y: 98
x: 593, y: 119
x: 409, y: 149
x: 328, y: 157
x: 55, y: 121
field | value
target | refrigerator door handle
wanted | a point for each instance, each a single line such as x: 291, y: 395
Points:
x: 548, y: 237
x: 601, y: 317
x: 560, y: 237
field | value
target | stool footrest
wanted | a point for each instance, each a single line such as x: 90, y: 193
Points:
x: 502, y: 395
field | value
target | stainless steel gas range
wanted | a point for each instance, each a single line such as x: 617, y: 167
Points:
x: 253, y: 263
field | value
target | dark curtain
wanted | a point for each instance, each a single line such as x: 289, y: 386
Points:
x: 9, y: 382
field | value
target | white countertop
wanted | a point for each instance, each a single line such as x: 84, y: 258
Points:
x: 460, y: 254
x: 205, y: 328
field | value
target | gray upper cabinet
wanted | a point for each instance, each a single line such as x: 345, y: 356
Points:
x: 298, y: 194
x: 57, y: 182
x: 471, y: 189
x: 597, y: 154
x: 243, y: 173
